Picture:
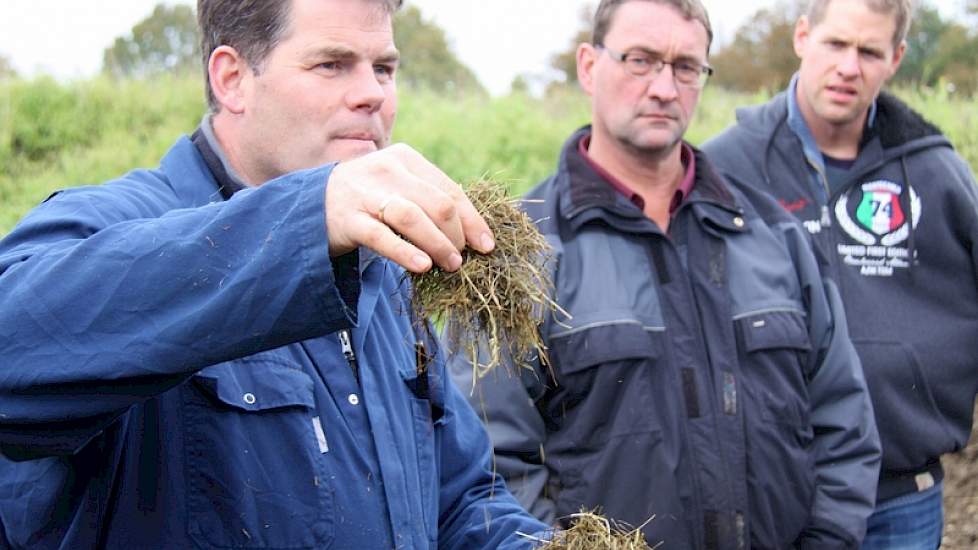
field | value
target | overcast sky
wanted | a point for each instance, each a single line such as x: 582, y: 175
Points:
x: 498, y: 39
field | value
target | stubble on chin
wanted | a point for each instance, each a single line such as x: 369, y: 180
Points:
x: 650, y: 148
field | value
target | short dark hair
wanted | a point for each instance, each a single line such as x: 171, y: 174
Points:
x: 692, y: 10
x: 902, y: 9
x: 252, y: 27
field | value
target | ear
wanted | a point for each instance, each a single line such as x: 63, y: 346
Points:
x: 230, y: 76
x: 802, y: 33
x: 898, y: 57
x: 587, y: 54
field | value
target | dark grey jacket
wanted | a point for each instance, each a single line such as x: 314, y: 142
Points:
x: 704, y: 382
x: 908, y: 275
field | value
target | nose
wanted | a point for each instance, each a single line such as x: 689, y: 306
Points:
x: 365, y: 92
x: 848, y: 66
x: 662, y: 87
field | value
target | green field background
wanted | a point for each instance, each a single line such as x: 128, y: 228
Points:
x: 55, y: 135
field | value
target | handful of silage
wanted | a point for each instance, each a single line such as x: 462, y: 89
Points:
x: 497, y: 298
x: 590, y: 531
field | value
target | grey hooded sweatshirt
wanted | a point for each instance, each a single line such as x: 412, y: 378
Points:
x: 899, y: 235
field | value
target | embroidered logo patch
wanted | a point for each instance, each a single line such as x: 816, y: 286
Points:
x: 876, y: 221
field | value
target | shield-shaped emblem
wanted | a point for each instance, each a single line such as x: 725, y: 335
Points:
x: 879, y: 211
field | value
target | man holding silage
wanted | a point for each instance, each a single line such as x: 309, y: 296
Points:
x: 893, y: 213
x: 208, y: 355
x: 703, y: 386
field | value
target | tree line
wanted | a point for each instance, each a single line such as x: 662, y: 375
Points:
x: 760, y: 56
x: 167, y: 41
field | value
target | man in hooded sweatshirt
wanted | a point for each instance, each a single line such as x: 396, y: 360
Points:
x: 893, y: 213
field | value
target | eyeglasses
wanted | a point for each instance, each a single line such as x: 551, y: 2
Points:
x: 640, y: 63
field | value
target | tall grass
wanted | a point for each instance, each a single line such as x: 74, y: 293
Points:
x: 55, y: 135
x: 58, y: 135
x: 957, y: 117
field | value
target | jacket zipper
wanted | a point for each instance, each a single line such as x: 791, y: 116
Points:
x: 351, y: 357
x: 826, y: 220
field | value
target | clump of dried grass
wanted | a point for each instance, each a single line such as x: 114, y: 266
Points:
x: 496, y: 299
x: 591, y: 531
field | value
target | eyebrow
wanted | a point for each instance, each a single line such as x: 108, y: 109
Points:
x: 346, y: 54
x: 680, y: 57
x: 390, y: 56
x: 851, y: 41
x: 873, y: 49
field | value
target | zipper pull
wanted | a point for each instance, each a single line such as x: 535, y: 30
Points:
x: 351, y: 357
x: 826, y: 217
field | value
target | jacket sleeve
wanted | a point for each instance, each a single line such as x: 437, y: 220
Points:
x: 966, y: 215
x: 846, y: 443
x: 477, y: 509
x: 111, y: 296
x: 504, y: 399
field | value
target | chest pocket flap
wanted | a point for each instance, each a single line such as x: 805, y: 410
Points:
x: 579, y: 349
x: 774, y: 330
x: 257, y: 384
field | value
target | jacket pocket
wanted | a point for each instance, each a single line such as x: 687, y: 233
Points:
x: 775, y: 348
x: 427, y: 400
x: 912, y: 429
x: 603, y: 365
x: 254, y: 476
x: 774, y: 330
x: 580, y: 349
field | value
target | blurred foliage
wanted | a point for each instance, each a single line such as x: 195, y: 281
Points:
x: 54, y: 135
x: 166, y: 41
x: 6, y: 68
x: 956, y: 114
x: 515, y: 138
x: 940, y: 51
x: 427, y: 61
x: 565, y: 61
x: 520, y: 84
x: 761, y: 55
x: 923, y: 44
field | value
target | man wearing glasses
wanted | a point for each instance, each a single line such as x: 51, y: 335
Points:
x: 703, y: 385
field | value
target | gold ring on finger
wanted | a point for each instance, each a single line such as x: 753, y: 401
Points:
x: 383, y: 205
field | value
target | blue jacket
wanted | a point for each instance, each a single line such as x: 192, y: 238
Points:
x: 908, y: 275
x: 704, y: 386
x: 172, y: 376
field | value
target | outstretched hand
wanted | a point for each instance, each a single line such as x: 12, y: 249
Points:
x: 403, y: 207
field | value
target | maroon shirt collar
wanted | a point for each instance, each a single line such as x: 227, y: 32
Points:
x: 685, y: 187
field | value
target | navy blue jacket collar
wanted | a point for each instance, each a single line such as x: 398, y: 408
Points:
x: 586, y: 195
